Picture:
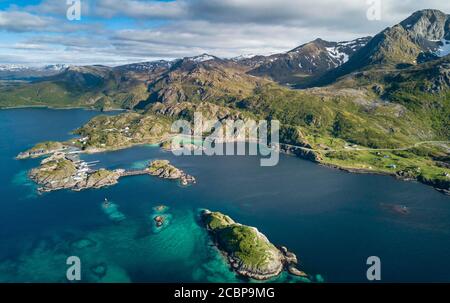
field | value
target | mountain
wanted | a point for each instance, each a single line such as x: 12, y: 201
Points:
x: 387, y: 92
x: 145, y: 67
x: 21, y: 72
x: 136, y: 85
x: 95, y: 86
x: 308, y: 60
x: 423, y: 36
x: 202, y: 78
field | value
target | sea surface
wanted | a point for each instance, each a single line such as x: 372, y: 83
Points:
x: 332, y: 220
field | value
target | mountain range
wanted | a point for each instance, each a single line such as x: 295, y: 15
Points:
x: 387, y: 91
x: 23, y: 72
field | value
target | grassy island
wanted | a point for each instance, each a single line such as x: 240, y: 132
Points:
x: 248, y: 251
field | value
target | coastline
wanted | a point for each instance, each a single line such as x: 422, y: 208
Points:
x: 310, y: 156
x: 60, y: 108
x: 354, y: 170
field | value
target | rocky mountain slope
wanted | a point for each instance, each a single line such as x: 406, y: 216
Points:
x: 424, y: 36
x: 202, y: 78
x: 304, y: 62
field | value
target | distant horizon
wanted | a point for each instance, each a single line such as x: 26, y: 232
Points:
x: 113, y: 33
x: 170, y: 59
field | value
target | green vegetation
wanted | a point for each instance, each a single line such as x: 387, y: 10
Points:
x: 100, y: 175
x: 242, y: 242
x: 46, y: 146
x: 165, y: 165
x: 93, y: 87
x: 55, y: 169
x: 384, y: 100
x: 219, y: 82
x: 217, y: 220
x: 124, y: 130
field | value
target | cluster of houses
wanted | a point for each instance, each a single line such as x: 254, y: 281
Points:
x: 83, y: 168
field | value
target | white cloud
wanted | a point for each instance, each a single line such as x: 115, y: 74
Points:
x: 222, y: 28
x: 16, y: 21
x: 139, y: 9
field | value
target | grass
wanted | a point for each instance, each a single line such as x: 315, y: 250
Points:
x: 55, y: 170
x: 241, y: 241
x: 112, y: 132
x: 162, y: 164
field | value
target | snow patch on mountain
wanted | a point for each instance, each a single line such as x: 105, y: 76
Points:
x: 336, y: 54
x: 444, y: 49
x: 242, y: 57
x: 202, y: 58
x: 18, y: 67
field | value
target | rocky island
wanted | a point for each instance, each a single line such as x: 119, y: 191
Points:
x: 247, y: 250
x: 64, y: 171
x: 59, y: 171
x: 163, y: 169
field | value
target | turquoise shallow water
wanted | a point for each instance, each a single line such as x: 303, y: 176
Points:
x: 332, y: 220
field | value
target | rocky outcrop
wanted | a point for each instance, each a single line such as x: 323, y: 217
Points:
x: 41, y: 149
x: 247, y: 250
x: 98, y: 179
x: 60, y: 172
x: 427, y: 24
x: 163, y: 169
x: 440, y: 78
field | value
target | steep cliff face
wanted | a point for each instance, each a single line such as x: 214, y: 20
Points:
x: 423, y: 36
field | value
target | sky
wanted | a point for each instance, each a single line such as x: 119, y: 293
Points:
x: 114, y: 32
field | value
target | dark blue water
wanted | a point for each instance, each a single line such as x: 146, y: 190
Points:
x: 332, y: 220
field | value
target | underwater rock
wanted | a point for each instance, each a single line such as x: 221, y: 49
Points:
x: 112, y: 210
x: 99, y: 269
x: 160, y: 221
x: 396, y: 208
x: 160, y: 208
x: 83, y: 243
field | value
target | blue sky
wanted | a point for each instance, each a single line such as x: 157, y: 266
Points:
x: 114, y: 32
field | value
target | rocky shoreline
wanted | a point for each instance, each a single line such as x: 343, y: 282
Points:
x: 60, y: 171
x: 248, y: 251
x: 49, y: 148
x: 163, y: 169
x: 42, y: 149
x: 437, y: 187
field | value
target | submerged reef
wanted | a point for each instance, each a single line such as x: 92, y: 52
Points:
x: 112, y: 210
